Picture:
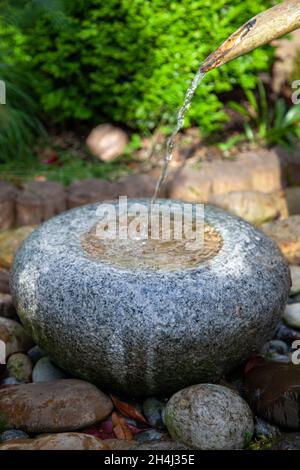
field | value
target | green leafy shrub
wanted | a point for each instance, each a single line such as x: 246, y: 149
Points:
x: 130, y: 61
x: 19, y: 122
x: 268, y: 124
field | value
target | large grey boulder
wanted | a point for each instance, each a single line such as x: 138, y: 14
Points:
x: 143, y: 330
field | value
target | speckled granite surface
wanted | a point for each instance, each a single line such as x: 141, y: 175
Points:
x: 209, y: 417
x: 142, y: 331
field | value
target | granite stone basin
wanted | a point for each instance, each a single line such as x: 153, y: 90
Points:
x: 148, y: 330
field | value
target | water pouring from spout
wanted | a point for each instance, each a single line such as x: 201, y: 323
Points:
x: 256, y: 32
x: 180, y: 122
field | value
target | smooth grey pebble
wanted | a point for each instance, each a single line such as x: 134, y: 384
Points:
x: 280, y: 358
x: 152, y: 409
x: 12, y: 434
x: 150, y: 435
x: 11, y: 381
x: 35, y: 354
x: 275, y: 346
x: 265, y: 429
x: 46, y: 371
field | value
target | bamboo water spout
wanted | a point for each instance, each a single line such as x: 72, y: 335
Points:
x: 260, y: 30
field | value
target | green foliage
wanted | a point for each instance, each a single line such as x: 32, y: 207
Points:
x: 24, y: 13
x: 130, y: 61
x: 267, y: 124
x: 19, y: 124
x: 230, y: 143
x: 68, y: 169
x: 261, y: 443
x: 134, y: 144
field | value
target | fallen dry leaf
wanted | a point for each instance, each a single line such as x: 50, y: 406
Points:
x: 253, y: 362
x: 103, y: 430
x: 120, y: 427
x: 128, y: 410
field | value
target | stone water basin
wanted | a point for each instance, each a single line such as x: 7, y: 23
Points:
x: 149, y: 318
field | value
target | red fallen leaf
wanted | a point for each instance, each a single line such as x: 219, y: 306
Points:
x: 253, y: 362
x: 103, y: 430
x: 53, y: 158
x: 128, y: 410
x: 121, y: 428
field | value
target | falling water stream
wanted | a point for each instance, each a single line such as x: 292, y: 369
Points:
x: 147, y: 252
x: 180, y: 122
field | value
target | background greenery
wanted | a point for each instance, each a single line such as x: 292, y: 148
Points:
x: 19, y: 122
x: 127, y: 61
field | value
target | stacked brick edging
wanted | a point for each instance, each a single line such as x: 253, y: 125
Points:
x: 38, y: 201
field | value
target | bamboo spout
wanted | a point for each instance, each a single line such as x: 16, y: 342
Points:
x: 260, y: 30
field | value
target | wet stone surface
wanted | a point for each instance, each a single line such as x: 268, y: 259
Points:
x: 273, y: 391
x: 49, y: 407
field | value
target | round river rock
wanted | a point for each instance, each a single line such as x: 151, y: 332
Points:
x: 142, y: 321
x: 61, y: 405
x: 209, y: 417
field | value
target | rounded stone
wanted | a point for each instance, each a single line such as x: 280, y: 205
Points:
x: 150, y: 435
x: 209, y: 417
x: 286, y: 333
x: 59, y: 441
x: 158, y: 446
x: 153, y: 410
x: 295, y: 275
x: 19, y: 366
x: 292, y: 315
x: 62, y: 405
x: 273, y: 391
x: 265, y: 429
x: 7, y: 309
x: 13, y: 434
x: 35, y: 353
x: 14, y: 336
x: 45, y: 371
x: 275, y: 346
x: 286, y: 358
x: 10, y: 381
x: 149, y: 329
